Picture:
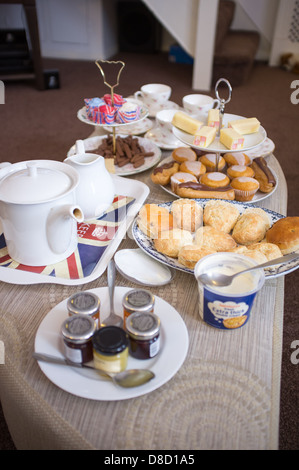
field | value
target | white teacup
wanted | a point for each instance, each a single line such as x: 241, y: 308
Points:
x: 197, y: 104
x: 164, y: 121
x: 154, y: 93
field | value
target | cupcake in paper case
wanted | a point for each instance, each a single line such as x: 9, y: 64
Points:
x: 118, y: 100
x: 107, y: 114
x: 129, y: 112
x: 93, y: 108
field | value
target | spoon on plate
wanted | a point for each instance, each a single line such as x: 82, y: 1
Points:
x: 220, y: 280
x: 127, y: 378
x: 112, y: 319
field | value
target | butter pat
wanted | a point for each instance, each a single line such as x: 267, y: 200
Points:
x: 245, y: 126
x: 205, y: 136
x: 186, y: 123
x: 214, y: 118
x: 231, y: 139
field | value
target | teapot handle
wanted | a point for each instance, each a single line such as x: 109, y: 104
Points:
x: 80, y: 146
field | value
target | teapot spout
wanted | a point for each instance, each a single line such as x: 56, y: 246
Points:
x: 60, y: 220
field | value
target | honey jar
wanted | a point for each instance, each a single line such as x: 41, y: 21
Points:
x: 144, y: 335
x: 138, y: 300
x: 85, y: 303
x: 110, y: 349
x: 77, y: 332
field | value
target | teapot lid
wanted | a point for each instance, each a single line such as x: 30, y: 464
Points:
x: 36, y: 181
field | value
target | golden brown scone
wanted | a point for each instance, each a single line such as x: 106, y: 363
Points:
x: 270, y: 250
x: 263, y: 174
x: 285, y: 234
x: 195, y: 168
x: 169, y: 242
x: 257, y: 255
x: 221, y: 215
x: 187, y: 214
x: 212, y: 239
x: 262, y: 213
x: 190, y: 254
x: 183, y: 154
x: 152, y: 219
x: 250, y: 228
x: 161, y: 174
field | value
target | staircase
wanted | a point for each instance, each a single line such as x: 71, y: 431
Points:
x: 206, y: 35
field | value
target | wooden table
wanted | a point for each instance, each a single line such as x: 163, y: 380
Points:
x: 225, y: 396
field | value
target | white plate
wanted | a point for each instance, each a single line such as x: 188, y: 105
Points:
x: 250, y: 140
x: 136, y: 266
x: 262, y: 150
x: 259, y: 196
x: 174, y: 348
x: 133, y: 129
x: 156, y: 136
x: 146, y: 244
x: 94, y: 254
x: 91, y: 143
x: 82, y: 116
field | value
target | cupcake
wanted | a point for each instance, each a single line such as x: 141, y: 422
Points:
x: 107, y: 114
x: 235, y: 171
x: 209, y: 160
x: 237, y: 158
x: 245, y: 188
x: 118, y: 100
x: 128, y: 112
x: 195, y: 168
x: 215, y: 179
x: 183, y: 154
x: 93, y: 109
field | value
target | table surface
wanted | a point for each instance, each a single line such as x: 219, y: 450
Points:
x: 225, y: 395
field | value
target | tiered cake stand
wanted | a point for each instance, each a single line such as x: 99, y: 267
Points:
x: 250, y: 140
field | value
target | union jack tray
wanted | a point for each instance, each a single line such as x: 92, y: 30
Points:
x: 98, y: 240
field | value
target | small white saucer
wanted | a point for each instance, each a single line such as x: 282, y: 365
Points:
x: 138, y: 267
x: 262, y: 150
x: 135, y: 128
x: 157, y: 136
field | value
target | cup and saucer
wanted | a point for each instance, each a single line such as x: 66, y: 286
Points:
x: 155, y: 96
x: 162, y: 134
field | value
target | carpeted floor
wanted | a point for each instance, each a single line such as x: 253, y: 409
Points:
x: 44, y: 125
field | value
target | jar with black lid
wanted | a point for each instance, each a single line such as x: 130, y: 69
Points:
x: 85, y: 303
x: 138, y: 300
x: 144, y: 335
x: 110, y: 349
x: 77, y: 332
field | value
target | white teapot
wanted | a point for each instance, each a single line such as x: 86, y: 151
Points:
x: 95, y: 192
x: 38, y: 211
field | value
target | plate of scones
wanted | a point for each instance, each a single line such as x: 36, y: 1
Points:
x: 181, y: 232
x: 187, y: 174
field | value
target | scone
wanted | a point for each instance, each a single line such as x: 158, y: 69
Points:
x: 285, y: 234
x: 195, y: 168
x: 235, y: 171
x: 215, y: 179
x: 257, y: 210
x: 250, y: 228
x: 184, y: 154
x: 213, y: 239
x: 162, y: 174
x: 236, y: 158
x: 209, y: 160
x: 270, y: 250
x: 221, y: 215
x: 190, y: 254
x: 245, y: 188
x: 179, y: 178
x: 152, y: 219
x: 169, y: 242
x: 187, y: 214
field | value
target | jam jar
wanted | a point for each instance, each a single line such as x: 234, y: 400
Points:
x: 137, y: 300
x: 144, y: 335
x: 85, y: 303
x: 77, y: 332
x: 110, y: 349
